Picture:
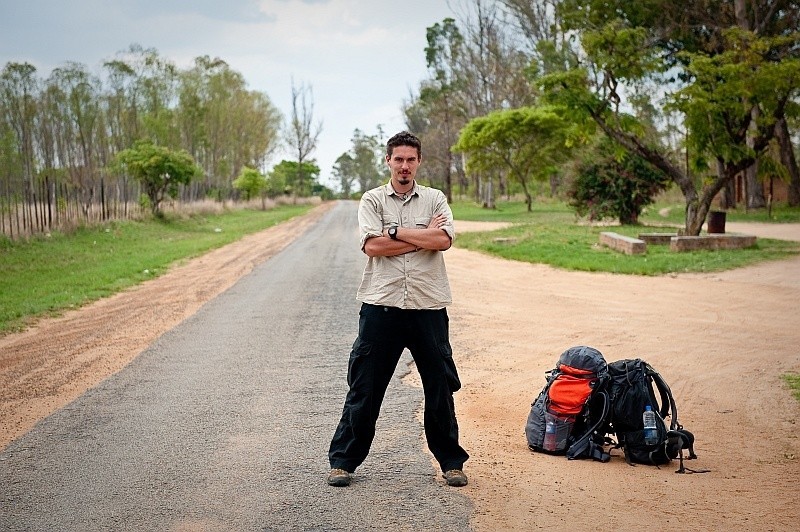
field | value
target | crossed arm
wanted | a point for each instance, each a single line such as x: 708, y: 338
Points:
x: 410, y: 239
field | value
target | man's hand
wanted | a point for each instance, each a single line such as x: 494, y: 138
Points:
x: 437, y: 222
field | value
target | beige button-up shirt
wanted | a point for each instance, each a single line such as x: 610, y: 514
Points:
x: 414, y: 280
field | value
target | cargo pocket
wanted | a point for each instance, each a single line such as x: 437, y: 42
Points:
x: 451, y: 375
x: 359, y: 359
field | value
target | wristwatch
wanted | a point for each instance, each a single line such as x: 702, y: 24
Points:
x: 392, y: 232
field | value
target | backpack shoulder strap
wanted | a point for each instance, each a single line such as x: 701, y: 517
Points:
x: 585, y: 446
x: 668, y: 406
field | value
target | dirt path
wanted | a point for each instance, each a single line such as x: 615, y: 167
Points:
x: 721, y: 341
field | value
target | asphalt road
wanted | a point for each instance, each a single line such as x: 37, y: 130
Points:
x: 224, y: 422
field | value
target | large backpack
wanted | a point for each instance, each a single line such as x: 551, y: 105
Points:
x: 632, y: 386
x: 569, y: 415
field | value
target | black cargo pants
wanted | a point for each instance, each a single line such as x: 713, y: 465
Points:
x: 383, y: 333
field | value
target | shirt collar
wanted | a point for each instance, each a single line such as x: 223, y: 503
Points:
x: 390, y: 191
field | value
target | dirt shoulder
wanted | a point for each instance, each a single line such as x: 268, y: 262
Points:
x: 722, y: 341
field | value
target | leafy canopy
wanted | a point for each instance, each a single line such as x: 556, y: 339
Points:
x: 528, y: 142
x: 160, y: 170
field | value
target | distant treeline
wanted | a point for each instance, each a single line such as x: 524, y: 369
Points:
x: 59, y: 135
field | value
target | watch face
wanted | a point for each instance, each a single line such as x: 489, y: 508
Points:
x: 392, y: 232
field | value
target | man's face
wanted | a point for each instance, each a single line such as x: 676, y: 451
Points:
x: 403, y: 163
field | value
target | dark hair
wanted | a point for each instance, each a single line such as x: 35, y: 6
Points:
x: 404, y: 138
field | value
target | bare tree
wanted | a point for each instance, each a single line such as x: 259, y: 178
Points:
x: 303, y: 133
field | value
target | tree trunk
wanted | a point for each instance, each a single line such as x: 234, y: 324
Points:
x: 554, y: 182
x: 489, y: 202
x: 755, y: 192
x: 728, y: 192
x: 789, y: 161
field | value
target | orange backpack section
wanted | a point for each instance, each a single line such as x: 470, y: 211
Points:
x: 572, y: 406
x: 570, y: 391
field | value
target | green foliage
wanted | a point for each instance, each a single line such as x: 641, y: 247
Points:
x: 444, y: 44
x: 625, y: 51
x: 726, y: 86
x: 159, y: 170
x: 295, y: 178
x: 528, y: 142
x: 362, y: 164
x: 614, y: 183
x: 45, y: 276
x: 144, y: 202
x: 251, y: 182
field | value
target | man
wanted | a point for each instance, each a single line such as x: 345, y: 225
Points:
x: 404, y: 290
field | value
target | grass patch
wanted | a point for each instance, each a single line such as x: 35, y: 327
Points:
x: 515, y: 212
x: 47, y: 275
x: 550, y: 235
x: 793, y: 380
x: 672, y: 213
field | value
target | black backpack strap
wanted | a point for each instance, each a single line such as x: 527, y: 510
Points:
x: 668, y: 406
x: 585, y: 446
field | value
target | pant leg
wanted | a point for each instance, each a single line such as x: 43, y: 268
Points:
x: 373, y: 360
x: 433, y: 356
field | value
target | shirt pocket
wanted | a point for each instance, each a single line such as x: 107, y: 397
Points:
x: 422, y: 222
x: 390, y: 220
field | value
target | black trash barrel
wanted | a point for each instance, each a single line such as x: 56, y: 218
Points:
x: 716, y: 222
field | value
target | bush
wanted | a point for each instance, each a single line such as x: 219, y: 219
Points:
x: 613, y: 183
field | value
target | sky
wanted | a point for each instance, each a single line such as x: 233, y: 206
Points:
x: 361, y: 58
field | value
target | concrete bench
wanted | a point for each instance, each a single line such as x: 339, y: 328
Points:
x: 712, y: 241
x: 657, y: 239
x: 625, y: 244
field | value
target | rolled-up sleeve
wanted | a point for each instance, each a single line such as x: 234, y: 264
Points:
x: 442, y: 207
x: 370, y: 221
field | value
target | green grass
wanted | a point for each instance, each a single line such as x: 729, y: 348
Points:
x: 793, y: 380
x: 672, y: 212
x: 550, y: 235
x: 47, y: 275
x: 515, y: 212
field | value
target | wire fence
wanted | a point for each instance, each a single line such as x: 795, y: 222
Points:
x: 45, y: 206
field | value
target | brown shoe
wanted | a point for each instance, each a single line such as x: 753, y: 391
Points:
x: 455, y: 477
x: 339, y: 478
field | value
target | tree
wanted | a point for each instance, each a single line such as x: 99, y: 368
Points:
x: 224, y: 126
x: 529, y: 142
x: 160, y: 170
x: 363, y: 163
x: 19, y: 89
x: 81, y: 140
x: 251, y: 182
x: 717, y: 100
x: 303, y: 133
x: 612, y: 182
x: 288, y: 173
x: 344, y: 171
x: 445, y: 45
